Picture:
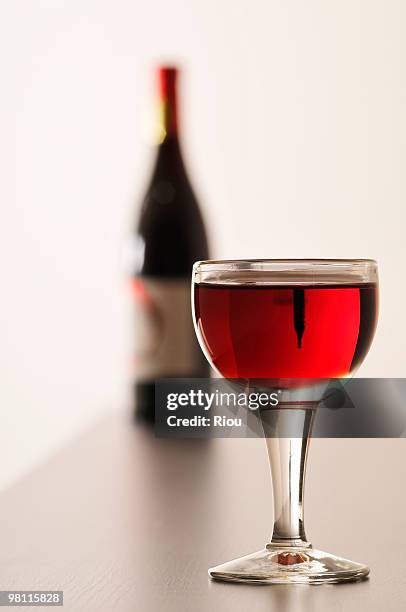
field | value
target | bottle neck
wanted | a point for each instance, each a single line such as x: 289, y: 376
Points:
x: 168, y: 105
x: 169, y: 160
x: 167, y: 120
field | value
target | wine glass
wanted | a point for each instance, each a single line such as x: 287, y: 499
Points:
x: 286, y: 319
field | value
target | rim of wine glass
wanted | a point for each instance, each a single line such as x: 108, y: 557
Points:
x: 310, y: 271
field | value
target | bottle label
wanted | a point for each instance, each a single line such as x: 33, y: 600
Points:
x: 165, y: 340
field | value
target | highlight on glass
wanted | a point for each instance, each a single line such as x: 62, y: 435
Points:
x: 286, y: 319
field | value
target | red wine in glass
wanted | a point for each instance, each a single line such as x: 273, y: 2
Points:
x: 308, y: 331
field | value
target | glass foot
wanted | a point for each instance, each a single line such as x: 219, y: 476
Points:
x: 274, y: 565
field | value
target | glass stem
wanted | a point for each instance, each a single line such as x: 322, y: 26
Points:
x: 287, y: 459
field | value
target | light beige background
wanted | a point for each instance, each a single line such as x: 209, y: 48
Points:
x: 295, y: 134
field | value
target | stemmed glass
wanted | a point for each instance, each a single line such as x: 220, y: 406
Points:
x: 279, y: 320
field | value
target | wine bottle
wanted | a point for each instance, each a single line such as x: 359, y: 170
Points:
x: 170, y: 236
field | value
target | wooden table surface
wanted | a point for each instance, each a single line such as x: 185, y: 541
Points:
x: 122, y: 521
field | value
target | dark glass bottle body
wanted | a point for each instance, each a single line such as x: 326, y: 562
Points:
x: 169, y: 237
